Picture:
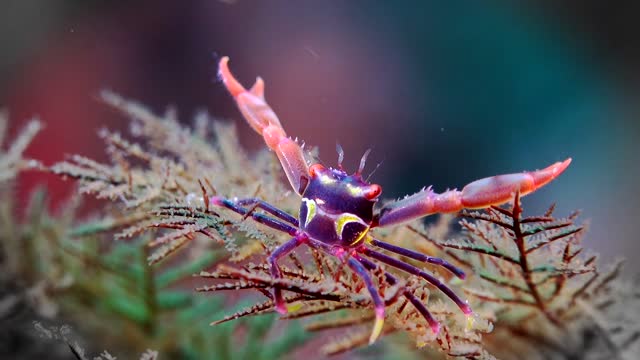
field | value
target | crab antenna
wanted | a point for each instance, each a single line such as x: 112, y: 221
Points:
x: 340, y: 151
x: 374, y: 170
x: 363, y: 161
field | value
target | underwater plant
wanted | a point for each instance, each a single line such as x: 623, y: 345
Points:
x: 11, y: 159
x: 536, y: 293
x: 66, y: 272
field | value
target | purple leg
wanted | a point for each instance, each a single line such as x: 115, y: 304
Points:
x: 418, y: 256
x: 417, y: 272
x: 261, y: 218
x: 268, y: 208
x: 359, y: 269
x: 392, y: 280
x: 281, y: 251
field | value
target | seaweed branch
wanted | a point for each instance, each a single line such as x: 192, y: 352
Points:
x: 532, y: 272
x: 11, y: 160
x: 164, y: 182
x: 534, y: 290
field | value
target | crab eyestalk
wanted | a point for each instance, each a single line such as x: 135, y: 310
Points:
x: 363, y: 162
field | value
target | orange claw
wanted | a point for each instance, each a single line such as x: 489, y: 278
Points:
x: 544, y: 176
x: 265, y: 122
x: 233, y: 85
x: 479, y: 194
x: 230, y: 82
x: 499, y: 189
x: 252, y: 103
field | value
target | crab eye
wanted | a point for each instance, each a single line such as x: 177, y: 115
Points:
x: 315, y: 169
x: 373, y: 192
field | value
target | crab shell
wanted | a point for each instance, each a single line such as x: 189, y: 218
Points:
x: 337, y: 208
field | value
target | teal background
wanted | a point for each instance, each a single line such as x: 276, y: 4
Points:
x: 444, y: 92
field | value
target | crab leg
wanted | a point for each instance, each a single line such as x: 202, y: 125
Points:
x: 258, y: 203
x: 264, y: 121
x: 277, y: 224
x: 418, y: 256
x: 279, y: 252
x: 378, y: 303
x: 358, y: 267
x: 479, y: 194
x: 418, y: 272
x: 392, y: 280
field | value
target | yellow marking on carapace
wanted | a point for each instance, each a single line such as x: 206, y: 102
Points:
x: 311, y: 210
x: 363, y: 236
x: 346, y: 218
x: 326, y: 179
x: 354, y: 190
x: 368, y: 238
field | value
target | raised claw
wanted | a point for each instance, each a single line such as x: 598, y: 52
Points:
x: 230, y: 82
x: 265, y: 122
x: 233, y: 85
x: 251, y: 103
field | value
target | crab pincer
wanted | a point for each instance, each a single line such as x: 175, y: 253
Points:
x: 265, y: 122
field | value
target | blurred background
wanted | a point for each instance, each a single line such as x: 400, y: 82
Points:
x: 443, y: 92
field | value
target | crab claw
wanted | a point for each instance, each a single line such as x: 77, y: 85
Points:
x: 499, y: 189
x: 233, y: 85
x: 483, y: 193
x: 265, y: 122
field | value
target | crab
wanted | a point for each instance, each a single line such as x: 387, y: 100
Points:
x: 338, y: 210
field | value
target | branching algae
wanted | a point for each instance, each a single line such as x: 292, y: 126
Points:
x: 535, y: 293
